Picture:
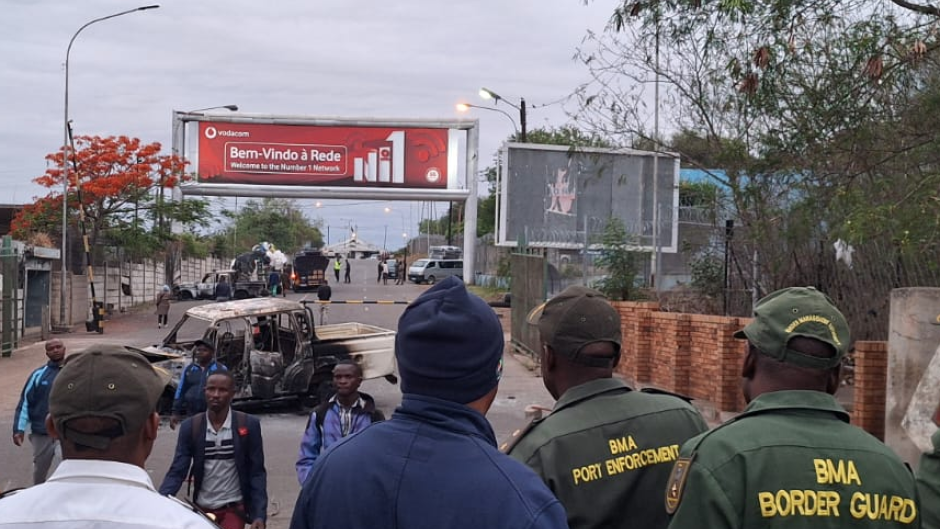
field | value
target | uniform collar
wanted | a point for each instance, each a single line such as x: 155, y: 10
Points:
x: 85, y: 469
x: 796, y: 400
x: 589, y: 390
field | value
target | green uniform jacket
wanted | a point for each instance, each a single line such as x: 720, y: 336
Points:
x: 790, y: 460
x: 606, y: 452
x: 928, y: 485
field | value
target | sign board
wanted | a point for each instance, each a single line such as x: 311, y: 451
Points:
x: 556, y: 197
x: 317, y: 155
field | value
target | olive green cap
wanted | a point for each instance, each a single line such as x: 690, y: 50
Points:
x: 104, y: 381
x: 797, y: 311
x: 576, y: 317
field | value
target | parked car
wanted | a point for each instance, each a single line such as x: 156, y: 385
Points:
x: 432, y: 270
x: 271, y: 347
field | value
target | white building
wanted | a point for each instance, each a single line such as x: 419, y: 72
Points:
x: 352, y: 248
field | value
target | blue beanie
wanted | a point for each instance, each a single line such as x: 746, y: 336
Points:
x: 449, y: 344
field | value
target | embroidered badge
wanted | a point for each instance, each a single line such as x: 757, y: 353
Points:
x: 676, y: 483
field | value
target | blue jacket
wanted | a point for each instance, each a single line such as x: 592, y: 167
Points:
x: 190, y: 459
x: 326, y: 432
x: 433, y: 465
x: 190, y: 397
x: 34, y: 400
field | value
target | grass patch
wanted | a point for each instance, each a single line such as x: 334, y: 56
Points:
x: 488, y: 293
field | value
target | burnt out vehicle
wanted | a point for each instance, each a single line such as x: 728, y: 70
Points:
x: 273, y: 349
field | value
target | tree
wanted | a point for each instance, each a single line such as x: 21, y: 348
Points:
x: 622, y: 261
x: 819, y: 113
x: 275, y: 220
x: 120, y: 183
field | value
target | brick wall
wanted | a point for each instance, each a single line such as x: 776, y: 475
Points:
x: 871, y: 383
x: 697, y: 355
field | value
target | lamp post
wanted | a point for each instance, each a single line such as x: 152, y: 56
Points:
x: 486, y: 93
x: 463, y: 107
x: 65, y: 155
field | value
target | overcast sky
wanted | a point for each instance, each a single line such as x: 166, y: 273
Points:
x: 366, y: 58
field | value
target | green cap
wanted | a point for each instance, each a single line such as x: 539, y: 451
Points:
x: 576, y: 317
x: 797, y: 311
x: 106, y: 381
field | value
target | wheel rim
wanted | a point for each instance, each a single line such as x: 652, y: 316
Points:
x: 430, y: 280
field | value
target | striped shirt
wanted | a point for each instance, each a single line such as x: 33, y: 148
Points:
x: 220, y: 485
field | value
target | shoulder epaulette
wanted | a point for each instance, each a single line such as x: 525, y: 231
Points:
x: 518, y: 435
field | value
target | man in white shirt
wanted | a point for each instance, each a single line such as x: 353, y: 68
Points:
x: 102, y: 408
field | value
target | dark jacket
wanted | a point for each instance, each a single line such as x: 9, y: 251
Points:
x: 433, y: 464
x: 190, y: 459
x: 223, y: 290
x: 34, y: 400
x: 324, y: 429
x: 190, y: 397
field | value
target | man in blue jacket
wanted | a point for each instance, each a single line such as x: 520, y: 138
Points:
x: 32, y: 410
x: 223, y: 452
x: 190, y: 397
x: 346, y: 413
x: 435, y: 462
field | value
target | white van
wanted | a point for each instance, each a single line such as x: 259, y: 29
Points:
x: 432, y: 270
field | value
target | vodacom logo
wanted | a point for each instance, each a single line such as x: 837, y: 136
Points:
x: 211, y: 133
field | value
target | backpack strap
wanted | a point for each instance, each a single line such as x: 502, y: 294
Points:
x: 198, y: 435
x: 320, y: 412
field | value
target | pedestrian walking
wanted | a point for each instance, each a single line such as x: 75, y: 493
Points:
x: 597, y: 417
x: 102, y: 407
x: 402, y: 273
x: 347, y: 412
x: 32, y: 409
x: 385, y: 272
x: 435, y: 462
x: 274, y: 282
x: 378, y: 278
x: 163, y: 306
x: 222, y: 449
x: 346, y: 278
x: 336, y: 268
x: 791, y: 459
x: 189, y: 398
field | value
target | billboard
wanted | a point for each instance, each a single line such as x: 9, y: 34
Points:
x: 556, y: 197
x: 325, y: 155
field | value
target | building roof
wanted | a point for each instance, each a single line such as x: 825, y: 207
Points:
x: 351, y: 245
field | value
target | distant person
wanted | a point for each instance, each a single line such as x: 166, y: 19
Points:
x: 378, y: 278
x: 928, y: 484
x: 791, y: 459
x: 32, y: 410
x: 435, y: 462
x: 222, y: 450
x: 189, y: 398
x: 346, y: 278
x: 223, y: 290
x: 324, y: 292
x: 274, y: 282
x: 163, y: 306
x: 385, y: 272
x: 346, y: 413
x: 402, y: 273
x: 286, y: 279
x: 103, y: 409
x: 337, y: 266
x: 581, y: 341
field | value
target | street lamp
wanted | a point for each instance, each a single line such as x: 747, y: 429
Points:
x: 233, y: 108
x: 463, y: 107
x: 65, y: 153
x: 486, y: 93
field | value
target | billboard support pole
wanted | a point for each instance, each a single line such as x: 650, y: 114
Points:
x: 470, y: 209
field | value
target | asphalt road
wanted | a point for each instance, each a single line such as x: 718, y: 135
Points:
x: 282, y: 430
